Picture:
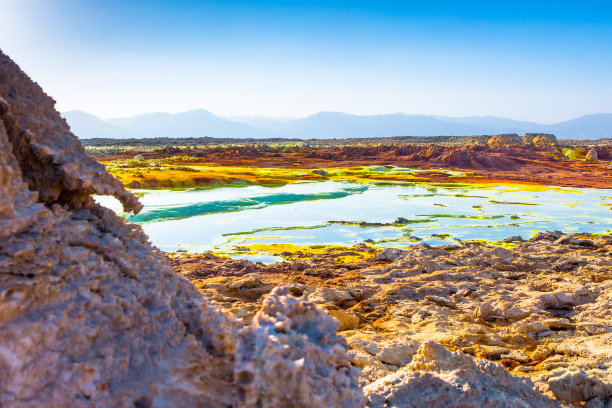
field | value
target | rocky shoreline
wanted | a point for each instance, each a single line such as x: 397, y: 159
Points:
x: 541, y: 309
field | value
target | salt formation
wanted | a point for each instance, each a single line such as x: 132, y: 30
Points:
x: 290, y: 343
x: 437, y: 377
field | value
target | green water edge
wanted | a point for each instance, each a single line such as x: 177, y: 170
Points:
x: 190, y: 210
x: 181, y: 212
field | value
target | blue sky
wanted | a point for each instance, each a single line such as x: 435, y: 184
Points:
x: 530, y: 60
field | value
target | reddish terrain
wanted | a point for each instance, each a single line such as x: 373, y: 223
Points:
x: 512, y: 164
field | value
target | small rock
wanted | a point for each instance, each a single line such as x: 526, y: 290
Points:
x: 490, y: 352
x: 247, y: 281
x: 358, y: 342
x: 360, y: 358
x: 348, y: 321
x: 547, y: 236
x: 485, y: 310
x: 592, y: 155
x: 576, y: 386
x: 531, y: 327
x: 399, y: 352
x: 389, y: 254
x: 515, y: 313
x: 516, y: 355
x: 541, y: 353
x: 441, y: 301
x: 559, y: 324
x: 569, y: 240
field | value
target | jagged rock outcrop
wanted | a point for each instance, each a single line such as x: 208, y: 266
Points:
x: 576, y: 386
x: 540, y: 139
x: 505, y: 140
x: 283, y: 358
x: 90, y: 313
x: 440, y: 378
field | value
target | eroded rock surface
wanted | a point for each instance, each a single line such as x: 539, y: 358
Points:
x: 592, y: 155
x: 437, y: 377
x: 283, y: 358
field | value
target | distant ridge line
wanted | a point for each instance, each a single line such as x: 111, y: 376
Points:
x: 326, y: 125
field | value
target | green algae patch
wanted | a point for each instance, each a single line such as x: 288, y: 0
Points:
x: 510, y: 202
x: 574, y: 153
x: 466, y: 216
x: 468, y: 196
x: 227, y: 206
x: 399, y: 222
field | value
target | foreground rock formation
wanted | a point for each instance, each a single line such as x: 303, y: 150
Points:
x: 445, y: 379
x: 92, y: 315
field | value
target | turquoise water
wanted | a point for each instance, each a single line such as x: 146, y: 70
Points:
x: 317, y: 213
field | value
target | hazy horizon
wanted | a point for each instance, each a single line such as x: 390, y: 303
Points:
x: 244, y: 118
x: 201, y: 122
x: 530, y: 61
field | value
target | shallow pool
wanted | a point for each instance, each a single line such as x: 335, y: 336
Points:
x: 339, y: 213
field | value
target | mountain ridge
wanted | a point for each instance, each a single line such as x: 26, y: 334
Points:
x: 326, y: 125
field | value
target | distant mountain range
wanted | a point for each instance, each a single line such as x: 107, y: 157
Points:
x: 325, y: 125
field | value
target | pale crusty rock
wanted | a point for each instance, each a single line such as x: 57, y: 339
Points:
x: 292, y: 356
x: 578, y: 386
x: 592, y: 155
x: 90, y: 314
x: 440, y: 378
